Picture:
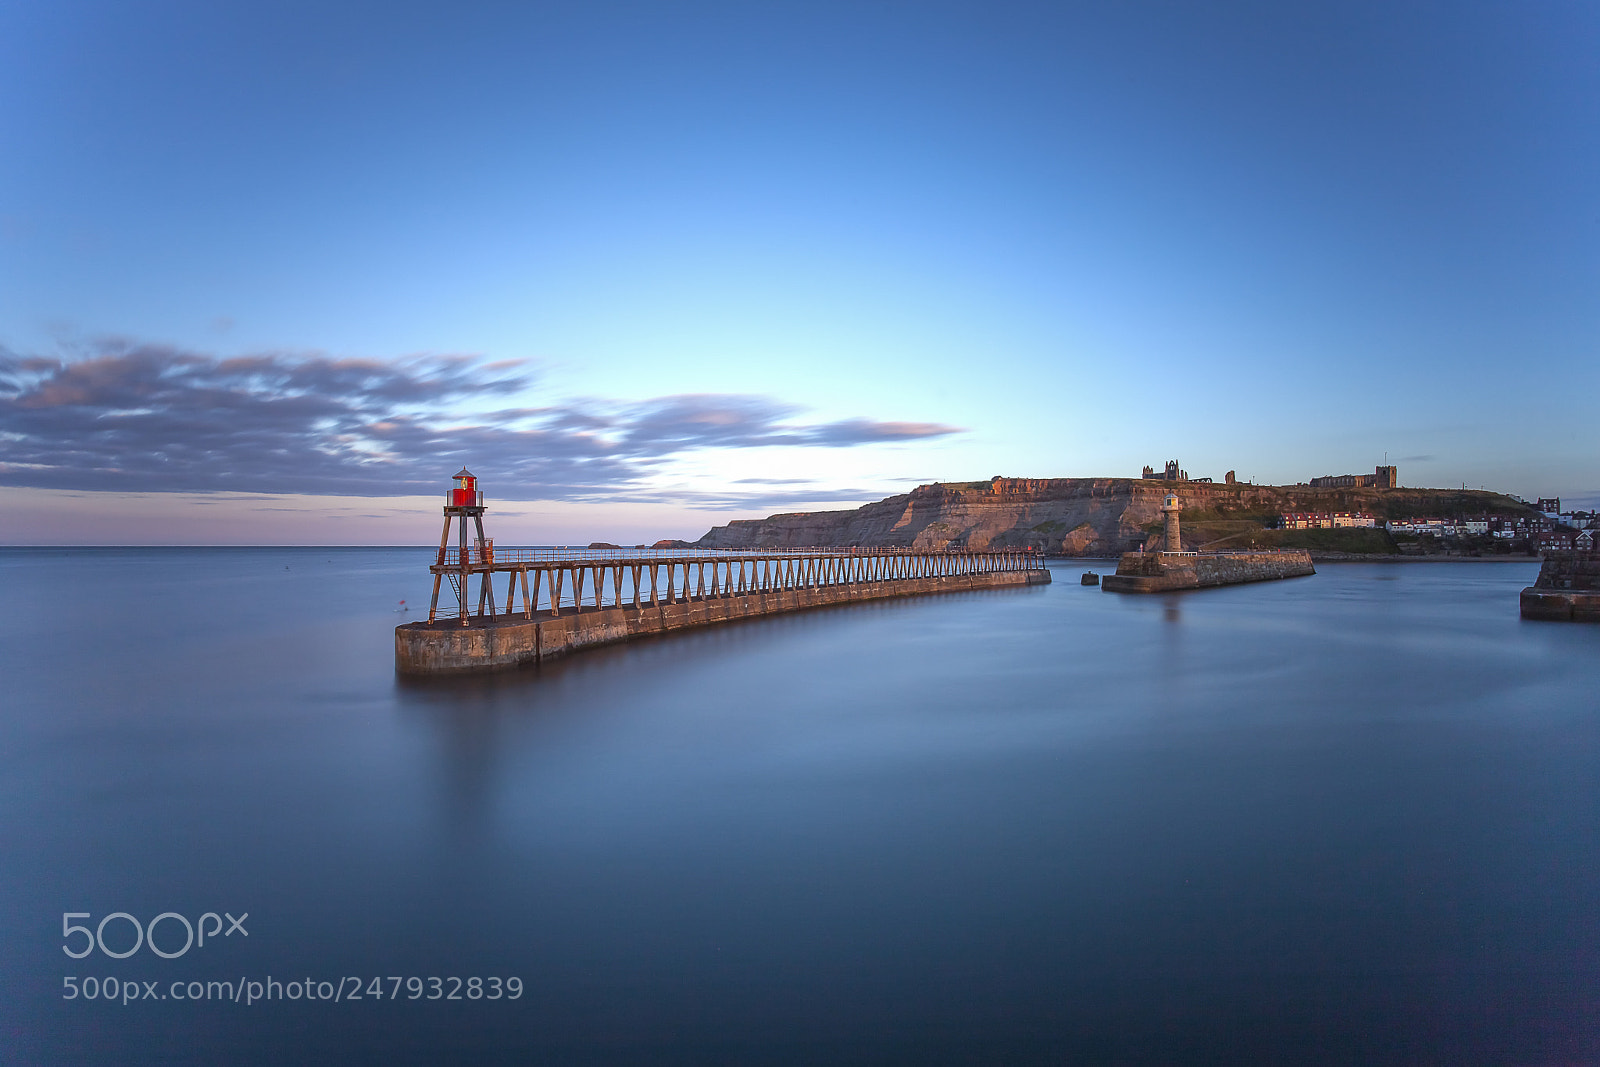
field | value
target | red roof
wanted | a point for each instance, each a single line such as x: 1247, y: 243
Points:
x: 464, y: 473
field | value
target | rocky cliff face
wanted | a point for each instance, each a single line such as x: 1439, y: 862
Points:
x: 1068, y: 516
x: 1062, y: 516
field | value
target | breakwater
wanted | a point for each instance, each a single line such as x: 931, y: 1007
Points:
x: 1160, y: 572
x: 683, y: 592
x: 1567, y: 589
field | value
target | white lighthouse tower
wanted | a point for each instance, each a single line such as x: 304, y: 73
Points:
x: 1169, y: 511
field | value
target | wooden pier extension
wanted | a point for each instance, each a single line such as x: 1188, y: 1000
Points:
x: 558, y: 601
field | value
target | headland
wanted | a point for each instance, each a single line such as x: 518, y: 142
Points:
x: 1105, y: 517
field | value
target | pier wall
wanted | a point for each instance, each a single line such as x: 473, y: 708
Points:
x: 1567, y: 589
x: 1155, y: 572
x: 1559, y: 605
x: 503, y: 642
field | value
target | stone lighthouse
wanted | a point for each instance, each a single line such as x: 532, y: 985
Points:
x: 1169, y: 511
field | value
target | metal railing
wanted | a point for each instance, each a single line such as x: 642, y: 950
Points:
x: 497, y: 555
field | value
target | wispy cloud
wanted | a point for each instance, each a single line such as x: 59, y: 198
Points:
x: 150, y: 418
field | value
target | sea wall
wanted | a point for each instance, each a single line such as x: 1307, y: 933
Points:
x: 1156, y: 572
x: 503, y: 642
x: 1567, y: 589
x: 1560, y: 605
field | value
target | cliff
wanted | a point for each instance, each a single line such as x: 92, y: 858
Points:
x: 1081, y: 516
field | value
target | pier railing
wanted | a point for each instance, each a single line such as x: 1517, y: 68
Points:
x: 558, y: 579
x: 489, y: 553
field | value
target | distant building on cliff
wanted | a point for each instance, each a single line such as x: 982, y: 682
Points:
x: 1382, y: 478
x: 1171, y: 474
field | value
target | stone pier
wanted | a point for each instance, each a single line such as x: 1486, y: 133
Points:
x: 1567, y: 589
x: 1161, y: 572
x: 673, y: 593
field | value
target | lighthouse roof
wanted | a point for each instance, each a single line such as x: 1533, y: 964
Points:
x: 464, y: 473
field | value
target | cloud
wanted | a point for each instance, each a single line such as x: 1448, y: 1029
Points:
x: 134, y: 417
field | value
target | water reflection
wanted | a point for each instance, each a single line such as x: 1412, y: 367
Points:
x: 1283, y: 821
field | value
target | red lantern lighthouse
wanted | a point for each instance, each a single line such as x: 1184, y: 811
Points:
x: 463, y: 502
x: 465, y: 494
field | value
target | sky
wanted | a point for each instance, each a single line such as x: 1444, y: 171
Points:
x: 271, y: 273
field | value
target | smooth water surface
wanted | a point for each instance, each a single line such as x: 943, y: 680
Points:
x: 1347, y: 818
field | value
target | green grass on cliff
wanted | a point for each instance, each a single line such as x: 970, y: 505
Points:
x: 1358, y: 540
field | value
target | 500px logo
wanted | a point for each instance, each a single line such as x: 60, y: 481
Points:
x: 143, y: 935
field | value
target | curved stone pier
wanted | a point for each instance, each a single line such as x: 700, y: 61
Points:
x: 500, y: 642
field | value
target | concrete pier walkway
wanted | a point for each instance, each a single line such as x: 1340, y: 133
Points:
x: 565, y: 604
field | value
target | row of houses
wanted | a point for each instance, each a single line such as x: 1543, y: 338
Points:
x: 1565, y: 539
x: 1577, y: 519
x: 1544, y: 533
x: 1508, y: 527
x: 1326, y: 520
x: 1504, y: 526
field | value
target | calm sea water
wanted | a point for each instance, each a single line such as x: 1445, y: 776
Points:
x: 1347, y: 818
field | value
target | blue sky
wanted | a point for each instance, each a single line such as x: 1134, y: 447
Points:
x: 271, y: 273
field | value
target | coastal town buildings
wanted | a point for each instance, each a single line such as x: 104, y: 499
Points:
x: 1557, y: 540
x: 1326, y: 520
x: 1506, y: 527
